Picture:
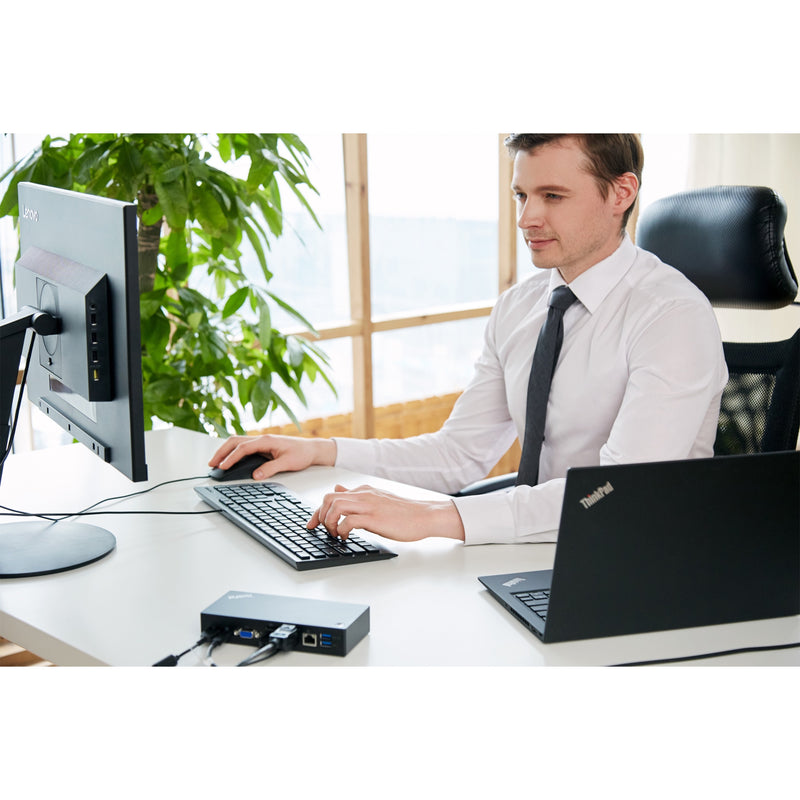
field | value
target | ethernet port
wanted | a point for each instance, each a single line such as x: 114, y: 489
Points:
x: 309, y: 640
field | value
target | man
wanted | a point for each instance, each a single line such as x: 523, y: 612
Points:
x: 639, y: 376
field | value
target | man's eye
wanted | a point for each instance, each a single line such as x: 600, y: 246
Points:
x: 552, y: 196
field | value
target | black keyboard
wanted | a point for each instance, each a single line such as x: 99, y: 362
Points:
x: 276, y: 518
x: 537, y: 601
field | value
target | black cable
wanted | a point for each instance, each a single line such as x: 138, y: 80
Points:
x: 213, y: 644
x: 282, y: 638
x: 56, y: 516
x: 13, y: 431
x: 262, y: 654
x: 141, y: 491
x: 755, y: 649
x: 172, y: 660
x: 60, y: 516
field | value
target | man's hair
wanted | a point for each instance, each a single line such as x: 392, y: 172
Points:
x: 609, y: 155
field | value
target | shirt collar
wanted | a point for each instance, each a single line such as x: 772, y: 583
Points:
x: 594, y: 285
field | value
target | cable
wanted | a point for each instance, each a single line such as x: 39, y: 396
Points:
x: 262, y: 654
x: 60, y: 516
x: 756, y: 649
x: 13, y: 431
x: 172, y: 660
x: 282, y: 638
x: 56, y: 516
x: 141, y: 491
x: 213, y: 644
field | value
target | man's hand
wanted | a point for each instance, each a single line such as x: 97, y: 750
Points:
x: 387, y: 514
x: 288, y: 453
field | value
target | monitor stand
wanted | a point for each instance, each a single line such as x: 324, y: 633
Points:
x: 37, y: 547
x: 42, y: 548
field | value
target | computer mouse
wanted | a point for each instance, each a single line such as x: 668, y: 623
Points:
x: 241, y: 470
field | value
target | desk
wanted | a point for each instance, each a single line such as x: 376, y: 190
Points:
x: 143, y: 601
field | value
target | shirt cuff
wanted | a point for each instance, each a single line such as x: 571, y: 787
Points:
x: 512, y: 516
x: 355, y: 454
x: 487, y: 518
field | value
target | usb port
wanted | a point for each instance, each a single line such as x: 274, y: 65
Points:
x: 325, y: 640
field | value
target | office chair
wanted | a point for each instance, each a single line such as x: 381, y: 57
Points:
x: 728, y: 240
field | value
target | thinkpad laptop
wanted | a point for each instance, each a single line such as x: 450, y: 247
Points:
x: 673, y: 544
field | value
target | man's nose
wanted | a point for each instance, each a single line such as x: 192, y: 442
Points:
x: 530, y: 215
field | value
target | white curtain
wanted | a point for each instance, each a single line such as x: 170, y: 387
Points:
x: 760, y: 159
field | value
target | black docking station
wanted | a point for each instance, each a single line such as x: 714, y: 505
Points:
x: 322, y: 626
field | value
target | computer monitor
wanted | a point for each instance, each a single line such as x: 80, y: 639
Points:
x: 77, y: 288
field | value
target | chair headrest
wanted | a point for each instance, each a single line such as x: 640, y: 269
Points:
x: 728, y: 240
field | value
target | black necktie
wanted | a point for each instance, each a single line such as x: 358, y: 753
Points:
x: 544, y: 364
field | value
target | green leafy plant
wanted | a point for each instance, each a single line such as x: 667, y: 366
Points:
x: 209, y: 348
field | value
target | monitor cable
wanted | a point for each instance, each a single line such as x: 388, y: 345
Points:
x: 10, y: 443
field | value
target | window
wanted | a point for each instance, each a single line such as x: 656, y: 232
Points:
x: 418, y: 238
x: 402, y: 317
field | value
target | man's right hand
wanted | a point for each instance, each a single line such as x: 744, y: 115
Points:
x: 288, y: 453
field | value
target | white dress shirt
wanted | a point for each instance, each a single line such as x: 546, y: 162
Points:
x: 639, y: 378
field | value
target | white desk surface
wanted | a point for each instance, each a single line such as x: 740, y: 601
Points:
x: 427, y: 608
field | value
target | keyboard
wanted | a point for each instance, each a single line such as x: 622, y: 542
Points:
x: 276, y: 518
x: 537, y: 601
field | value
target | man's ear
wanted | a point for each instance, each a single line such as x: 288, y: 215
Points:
x: 625, y: 190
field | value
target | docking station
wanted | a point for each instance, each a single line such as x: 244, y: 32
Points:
x: 322, y: 626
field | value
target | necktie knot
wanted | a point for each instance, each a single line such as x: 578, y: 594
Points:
x: 561, y: 298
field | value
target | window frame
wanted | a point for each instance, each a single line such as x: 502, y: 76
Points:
x: 363, y: 323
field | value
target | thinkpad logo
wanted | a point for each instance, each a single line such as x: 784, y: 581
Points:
x: 597, y: 495
x: 514, y: 582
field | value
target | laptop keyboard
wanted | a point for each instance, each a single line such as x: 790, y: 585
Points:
x: 276, y: 518
x: 536, y: 601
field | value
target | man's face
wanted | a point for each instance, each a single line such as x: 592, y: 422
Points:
x: 566, y: 221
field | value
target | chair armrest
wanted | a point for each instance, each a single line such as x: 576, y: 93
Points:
x: 487, y: 485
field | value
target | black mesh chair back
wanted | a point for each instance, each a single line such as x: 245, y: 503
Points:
x: 729, y: 241
x: 760, y: 409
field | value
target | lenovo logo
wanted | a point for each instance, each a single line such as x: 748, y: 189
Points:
x: 597, y: 495
x: 30, y: 213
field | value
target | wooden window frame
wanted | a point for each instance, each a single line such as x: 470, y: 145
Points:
x: 363, y: 324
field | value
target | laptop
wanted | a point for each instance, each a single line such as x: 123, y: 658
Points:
x: 664, y: 545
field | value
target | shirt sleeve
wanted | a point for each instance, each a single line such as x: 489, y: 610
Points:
x: 671, y: 402
x: 471, y: 441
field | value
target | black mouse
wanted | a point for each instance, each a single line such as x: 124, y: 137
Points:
x: 241, y: 470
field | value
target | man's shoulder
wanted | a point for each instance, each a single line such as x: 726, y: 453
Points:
x: 529, y: 286
x: 662, y: 283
